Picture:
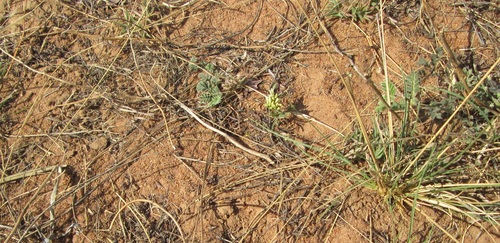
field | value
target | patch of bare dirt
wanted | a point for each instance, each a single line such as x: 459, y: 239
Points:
x: 103, y: 153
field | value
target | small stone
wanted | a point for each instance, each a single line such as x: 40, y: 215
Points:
x: 99, y: 144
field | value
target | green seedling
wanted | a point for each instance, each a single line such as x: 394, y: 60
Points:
x: 273, y: 103
x: 136, y: 24
x: 489, y: 92
x: 361, y: 13
x: 357, y: 11
x: 335, y: 9
x: 208, y: 87
x: 411, y: 92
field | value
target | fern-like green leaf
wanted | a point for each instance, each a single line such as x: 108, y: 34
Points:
x: 208, y: 88
x: 412, y: 88
x: 211, y: 98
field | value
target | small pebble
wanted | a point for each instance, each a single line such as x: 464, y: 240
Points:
x: 99, y: 144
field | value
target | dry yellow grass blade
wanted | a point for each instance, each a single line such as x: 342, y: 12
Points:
x: 29, y: 173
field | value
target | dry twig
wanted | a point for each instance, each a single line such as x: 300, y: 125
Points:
x: 225, y: 135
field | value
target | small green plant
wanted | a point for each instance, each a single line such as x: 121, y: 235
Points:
x: 392, y: 93
x: 193, y: 66
x: 335, y: 9
x: 361, y: 13
x: 357, y: 11
x: 440, y: 109
x: 412, y: 88
x: 488, y: 96
x: 411, y: 92
x: 410, y: 171
x: 137, y: 24
x: 208, y: 86
x: 489, y: 92
x: 273, y: 103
